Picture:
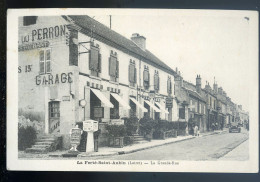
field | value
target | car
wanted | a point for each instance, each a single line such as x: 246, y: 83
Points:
x: 234, y: 128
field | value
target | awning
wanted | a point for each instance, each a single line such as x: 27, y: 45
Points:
x: 121, y: 101
x: 102, y: 98
x: 139, y: 105
x: 152, y: 106
x: 161, y: 107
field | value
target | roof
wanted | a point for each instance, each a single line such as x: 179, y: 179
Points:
x: 103, y: 33
x: 195, y: 94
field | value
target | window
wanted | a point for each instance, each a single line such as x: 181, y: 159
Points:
x: 146, y: 77
x: 29, y: 20
x: 54, y: 109
x: 169, y: 85
x: 156, y: 81
x: 113, y: 67
x: 45, y: 61
x: 94, y: 61
x: 132, y: 73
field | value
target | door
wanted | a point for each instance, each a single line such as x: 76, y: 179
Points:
x: 54, y: 116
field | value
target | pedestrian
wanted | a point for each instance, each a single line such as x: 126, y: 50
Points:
x: 217, y: 126
x: 196, y: 130
x: 213, y: 127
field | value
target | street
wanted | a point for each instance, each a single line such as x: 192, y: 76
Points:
x: 211, y: 147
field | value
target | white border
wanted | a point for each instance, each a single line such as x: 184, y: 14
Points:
x: 13, y: 163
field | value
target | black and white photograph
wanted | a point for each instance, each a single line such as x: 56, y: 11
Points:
x: 132, y: 90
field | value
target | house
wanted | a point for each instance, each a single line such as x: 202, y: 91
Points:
x: 73, y: 68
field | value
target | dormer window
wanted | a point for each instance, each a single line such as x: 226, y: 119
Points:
x: 94, y: 60
x: 146, y: 77
x: 132, y: 73
x: 156, y: 81
x: 29, y: 20
x: 113, y: 67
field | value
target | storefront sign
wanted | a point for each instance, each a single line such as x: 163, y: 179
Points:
x: 35, y: 45
x: 169, y: 101
x: 50, y: 79
x: 90, y: 125
x: 65, y: 98
x: 75, y: 136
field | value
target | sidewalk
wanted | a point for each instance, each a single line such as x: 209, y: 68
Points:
x: 109, y: 151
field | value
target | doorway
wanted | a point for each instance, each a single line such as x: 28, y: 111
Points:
x: 54, y: 116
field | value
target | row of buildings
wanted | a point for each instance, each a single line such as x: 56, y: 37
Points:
x: 73, y: 68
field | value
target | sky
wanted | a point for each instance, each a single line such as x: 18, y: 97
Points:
x: 210, y: 45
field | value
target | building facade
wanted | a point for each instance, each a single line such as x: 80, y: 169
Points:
x: 191, y: 104
x: 73, y: 68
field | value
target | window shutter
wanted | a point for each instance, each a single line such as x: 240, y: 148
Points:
x: 148, y: 79
x: 135, y: 76
x: 144, y: 78
x: 117, y: 69
x: 89, y: 61
x: 129, y: 73
x: 99, y: 62
x: 109, y: 66
x: 158, y: 82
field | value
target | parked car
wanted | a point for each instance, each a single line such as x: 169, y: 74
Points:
x: 234, y: 128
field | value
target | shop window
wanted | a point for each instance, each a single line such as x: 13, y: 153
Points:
x: 156, y: 81
x: 54, y: 109
x: 113, y: 67
x: 132, y: 73
x: 169, y: 86
x: 29, y: 20
x: 146, y: 77
x: 45, y: 61
x: 114, y: 112
x: 94, y: 61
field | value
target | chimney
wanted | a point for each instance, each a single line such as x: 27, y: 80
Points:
x: 198, y: 84
x: 220, y: 90
x: 215, y: 87
x: 139, y: 40
x: 224, y: 93
x: 207, y: 87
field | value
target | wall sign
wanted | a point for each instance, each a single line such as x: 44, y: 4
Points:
x: 169, y: 101
x: 45, y: 33
x: 98, y: 112
x: 117, y: 121
x: 35, y: 45
x: 50, y: 79
x: 65, y: 98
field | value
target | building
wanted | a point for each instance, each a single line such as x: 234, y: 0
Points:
x: 242, y: 116
x: 191, y: 104
x: 211, y: 106
x: 73, y: 68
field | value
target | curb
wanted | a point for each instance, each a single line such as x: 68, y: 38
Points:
x: 144, y: 148
x: 140, y: 149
